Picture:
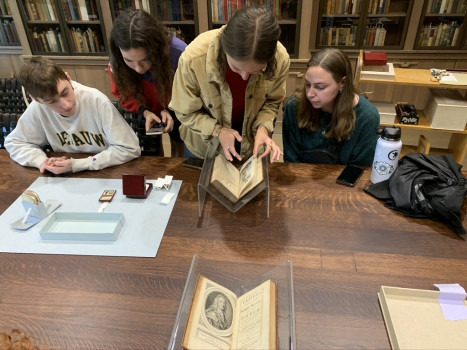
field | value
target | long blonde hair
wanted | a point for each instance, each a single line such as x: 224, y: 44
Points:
x: 343, y: 118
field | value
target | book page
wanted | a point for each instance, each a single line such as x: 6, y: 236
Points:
x: 211, y: 320
x: 257, y: 318
x: 251, y: 174
x: 225, y: 174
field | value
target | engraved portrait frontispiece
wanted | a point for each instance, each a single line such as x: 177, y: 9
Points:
x: 216, y: 318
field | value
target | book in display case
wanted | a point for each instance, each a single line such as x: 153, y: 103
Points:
x: 233, y: 186
x: 204, y: 321
x: 64, y: 27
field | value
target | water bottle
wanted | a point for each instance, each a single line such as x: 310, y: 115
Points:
x: 388, y: 150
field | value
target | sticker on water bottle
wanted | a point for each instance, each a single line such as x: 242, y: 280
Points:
x: 393, y: 155
x: 383, y: 168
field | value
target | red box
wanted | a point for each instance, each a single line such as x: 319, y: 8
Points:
x: 135, y: 186
x: 375, y: 59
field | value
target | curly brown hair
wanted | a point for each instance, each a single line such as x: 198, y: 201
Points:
x: 135, y: 29
x: 16, y: 340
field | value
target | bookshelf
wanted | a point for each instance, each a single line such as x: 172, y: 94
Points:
x: 354, y: 24
x: 64, y: 27
x: 179, y: 16
x: 442, y: 25
x: 8, y: 33
x: 117, y: 6
x: 288, y: 14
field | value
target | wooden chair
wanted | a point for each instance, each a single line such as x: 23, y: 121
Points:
x: 423, y: 145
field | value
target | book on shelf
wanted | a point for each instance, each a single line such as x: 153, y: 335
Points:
x: 39, y: 10
x: 11, y: 33
x: 344, y: 36
x: 219, y: 319
x: 80, y: 10
x: 175, y: 10
x: 85, y: 41
x: 51, y: 39
x: 30, y: 10
x: 51, y: 10
x: 414, y: 320
x: 83, y: 10
x: 223, y: 10
x: 446, y: 7
x: 234, y: 183
x: 443, y: 34
x: 378, y: 7
x: 4, y: 8
x: 375, y: 36
x: 342, y: 7
x: 47, y: 40
x: 70, y: 11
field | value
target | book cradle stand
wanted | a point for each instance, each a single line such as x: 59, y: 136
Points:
x: 204, y: 186
x: 226, y: 275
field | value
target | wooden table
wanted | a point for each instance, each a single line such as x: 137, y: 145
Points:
x: 343, y: 243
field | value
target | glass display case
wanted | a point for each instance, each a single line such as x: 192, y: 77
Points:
x: 226, y: 276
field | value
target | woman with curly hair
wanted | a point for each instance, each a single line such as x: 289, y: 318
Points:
x: 144, y: 57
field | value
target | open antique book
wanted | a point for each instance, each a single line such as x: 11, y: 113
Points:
x: 235, y: 183
x: 220, y: 320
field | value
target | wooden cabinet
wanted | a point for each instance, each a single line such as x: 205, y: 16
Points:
x: 64, y: 27
x: 442, y: 25
x: 411, y: 86
x: 363, y: 23
x: 391, y: 25
x: 402, y: 24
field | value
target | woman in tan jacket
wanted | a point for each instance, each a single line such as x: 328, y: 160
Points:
x: 229, y: 85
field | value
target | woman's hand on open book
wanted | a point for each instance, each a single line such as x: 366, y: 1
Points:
x: 262, y: 138
x: 227, y: 138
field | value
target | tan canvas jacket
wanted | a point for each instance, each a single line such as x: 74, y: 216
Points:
x: 201, y: 97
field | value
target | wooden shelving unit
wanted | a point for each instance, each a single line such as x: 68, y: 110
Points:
x: 420, y: 79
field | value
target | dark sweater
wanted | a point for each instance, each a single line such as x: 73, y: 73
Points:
x: 358, y: 150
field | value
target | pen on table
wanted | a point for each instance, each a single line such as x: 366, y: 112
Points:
x: 25, y: 219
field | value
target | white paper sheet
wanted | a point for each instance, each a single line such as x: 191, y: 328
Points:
x: 145, y: 219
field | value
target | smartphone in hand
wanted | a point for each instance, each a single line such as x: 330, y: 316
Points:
x: 156, y: 129
x: 350, y: 175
